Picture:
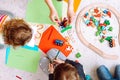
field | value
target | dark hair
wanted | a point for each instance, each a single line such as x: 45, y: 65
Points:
x: 16, y: 32
x: 66, y: 71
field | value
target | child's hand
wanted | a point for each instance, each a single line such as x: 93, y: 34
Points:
x: 54, y: 16
x: 58, y: 61
x: 70, y: 15
x: 51, y: 68
x: 53, y: 13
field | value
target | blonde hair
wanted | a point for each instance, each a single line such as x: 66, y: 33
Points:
x: 16, y: 32
x: 66, y: 71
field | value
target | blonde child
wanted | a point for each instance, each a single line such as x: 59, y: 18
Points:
x: 16, y: 32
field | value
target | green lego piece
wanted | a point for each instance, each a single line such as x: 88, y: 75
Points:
x: 99, y: 28
x: 108, y: 38
x: 107, y: 22
x: 94, y: 20
x: 78, y: 55
x: 66, y: 28
x: 110, y: 28
x: 97, y: 33
x: 102, y: 40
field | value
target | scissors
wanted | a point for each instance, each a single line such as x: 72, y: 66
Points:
x: 51, y: 61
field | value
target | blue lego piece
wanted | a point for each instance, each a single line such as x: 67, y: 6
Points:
x: 92, y: 17
x: 103, y: 28
x: 105, y: 11
x: 86, y: 14
x: 96, y: 23
x: 58, y: 42
x: 87, y: 21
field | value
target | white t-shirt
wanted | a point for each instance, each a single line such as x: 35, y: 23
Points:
x: 31, y: 43
x: 3, y: 19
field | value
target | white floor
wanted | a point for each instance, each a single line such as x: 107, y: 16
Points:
x: 89, y: 59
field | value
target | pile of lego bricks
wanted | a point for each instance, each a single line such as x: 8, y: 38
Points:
x: 100, y: 19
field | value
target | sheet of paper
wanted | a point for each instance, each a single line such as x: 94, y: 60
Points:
x: 35, y: 48
x: 48, y: 38
x: 23, y: 59
x: 38, y: 11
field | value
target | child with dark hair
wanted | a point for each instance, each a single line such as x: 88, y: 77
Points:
x: 66, y: 70
x: 16, y: 32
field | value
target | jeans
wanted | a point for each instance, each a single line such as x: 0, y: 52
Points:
x: 104, y: 74
x: 117, y: 72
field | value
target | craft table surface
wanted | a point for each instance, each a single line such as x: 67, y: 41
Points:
x: 89, y: 59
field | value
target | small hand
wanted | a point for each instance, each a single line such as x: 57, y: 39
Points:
x: 58, y: 61
x: 54, y: 16
x: 51, y: 68
x: 70, y: 15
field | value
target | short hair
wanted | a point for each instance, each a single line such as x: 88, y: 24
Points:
x: 66, y: 71
x: 16, y: 32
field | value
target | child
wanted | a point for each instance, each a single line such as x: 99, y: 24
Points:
x: 53, y: 12
x: 16, y: 32
x: 104, y: 74
x: 66, y: 70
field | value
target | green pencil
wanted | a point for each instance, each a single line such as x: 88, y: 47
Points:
x: 57, y: 54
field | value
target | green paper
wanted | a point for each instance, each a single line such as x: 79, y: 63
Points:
x: 38, y: 11
x: 24, y: 59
